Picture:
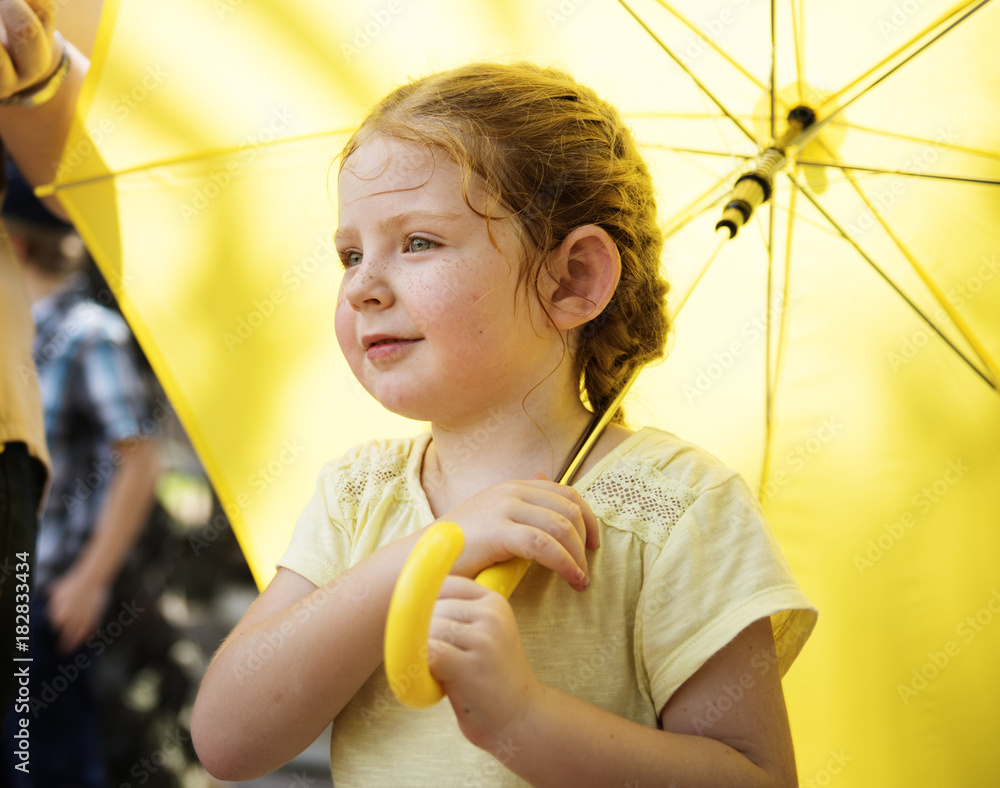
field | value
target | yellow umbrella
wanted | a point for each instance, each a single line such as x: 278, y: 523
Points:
x: 199, y: 174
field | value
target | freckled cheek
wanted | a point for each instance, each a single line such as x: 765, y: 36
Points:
x: 345, y: 328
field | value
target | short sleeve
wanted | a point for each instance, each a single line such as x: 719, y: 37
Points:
x: 720, y: 570
x: 321, y: 543
x: 117, y: 396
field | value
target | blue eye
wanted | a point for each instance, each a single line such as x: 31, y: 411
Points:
x: 350, y: 258
x: 418, y: 244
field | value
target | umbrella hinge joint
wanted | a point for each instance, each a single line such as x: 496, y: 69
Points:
x: 765, y: 183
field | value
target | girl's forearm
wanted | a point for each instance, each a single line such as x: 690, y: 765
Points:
x: 564, y: 741
x: 278, y: 681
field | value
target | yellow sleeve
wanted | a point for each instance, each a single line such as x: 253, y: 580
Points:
x: 321, y: 543
x: 719, y: 570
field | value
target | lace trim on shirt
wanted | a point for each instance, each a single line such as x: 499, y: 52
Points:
x: 371, y: 475
x: 636, y: 497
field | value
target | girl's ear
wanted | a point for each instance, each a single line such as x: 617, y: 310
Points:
x: 582, y: 276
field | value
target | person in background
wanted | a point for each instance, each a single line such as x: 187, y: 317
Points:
x: 104, y: 464
x: 40, y: 78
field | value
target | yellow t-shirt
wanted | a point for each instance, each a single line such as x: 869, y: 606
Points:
x: 20, y: 400
x: 686, y: 562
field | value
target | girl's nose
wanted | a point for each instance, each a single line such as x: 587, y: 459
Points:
x: 367, y: 286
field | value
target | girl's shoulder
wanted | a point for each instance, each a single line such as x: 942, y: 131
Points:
x: 384, y: 466
x: 649, y: 480
x: 673, y: 458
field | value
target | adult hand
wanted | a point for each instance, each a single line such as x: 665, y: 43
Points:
x: 475, y: 651
x: 29, y: 56
x: 76, y: 605
x: 536, y: 519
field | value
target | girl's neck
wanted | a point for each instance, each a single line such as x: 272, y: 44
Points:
x: 503, y: 446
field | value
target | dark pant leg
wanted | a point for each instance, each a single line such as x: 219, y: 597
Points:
x: 63, y: 719
x: 21, y: 480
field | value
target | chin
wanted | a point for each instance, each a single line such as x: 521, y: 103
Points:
x: 404, y: 404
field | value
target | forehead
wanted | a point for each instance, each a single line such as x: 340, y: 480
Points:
x: 389, y: 166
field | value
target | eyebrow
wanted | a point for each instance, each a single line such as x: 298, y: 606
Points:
x: 391, y: 222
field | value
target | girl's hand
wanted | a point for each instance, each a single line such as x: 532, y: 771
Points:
x: 475, y: 651
x: 537, y: 519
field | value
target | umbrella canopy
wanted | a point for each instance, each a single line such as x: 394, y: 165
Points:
x: 838, y: 351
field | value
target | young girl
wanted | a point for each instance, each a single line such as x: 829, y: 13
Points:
x: 499, y: 237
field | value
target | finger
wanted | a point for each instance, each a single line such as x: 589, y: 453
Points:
x: 55, y: 612
x: 29, y: 53
x: 448, y: 631
x: 456, y: 587
x: 536, y: 545
x: 468, y: 624
x: 66, y: 638
x: 582, y: 515
x: 591, y: 526
x: 544, y: 515
x: 444, y: 660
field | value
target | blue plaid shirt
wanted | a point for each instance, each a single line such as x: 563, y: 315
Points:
x: 96, y: 406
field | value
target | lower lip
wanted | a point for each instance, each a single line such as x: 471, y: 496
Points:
x: 387, y: 349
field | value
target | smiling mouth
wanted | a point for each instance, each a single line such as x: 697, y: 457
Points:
x: 384, y: 348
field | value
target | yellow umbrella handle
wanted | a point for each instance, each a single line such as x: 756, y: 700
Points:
x: 408, y: 623
x: 411, y: 608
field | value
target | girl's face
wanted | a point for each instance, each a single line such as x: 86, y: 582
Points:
x: 429, y: 316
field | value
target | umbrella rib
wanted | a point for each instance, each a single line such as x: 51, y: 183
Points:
x: 772, y: 378
x: 51, y: 188
x: 712, y: 97
x: 712, y: 45
x: 903, y: 173
x: 936, y: 37
x: 942, y: 300
x: 938, y: 143
x: 765, y: 468
x: 708, y: 200
x: 888, y: 280
x: 677, y: 115
x: 797, y: 41
x: 720, y: 241
x: 700, y: 151
x: 772, y: 77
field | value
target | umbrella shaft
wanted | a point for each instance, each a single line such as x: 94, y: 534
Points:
x: 753, y: 189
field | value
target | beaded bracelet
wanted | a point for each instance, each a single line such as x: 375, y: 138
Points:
x: 39, y: 94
